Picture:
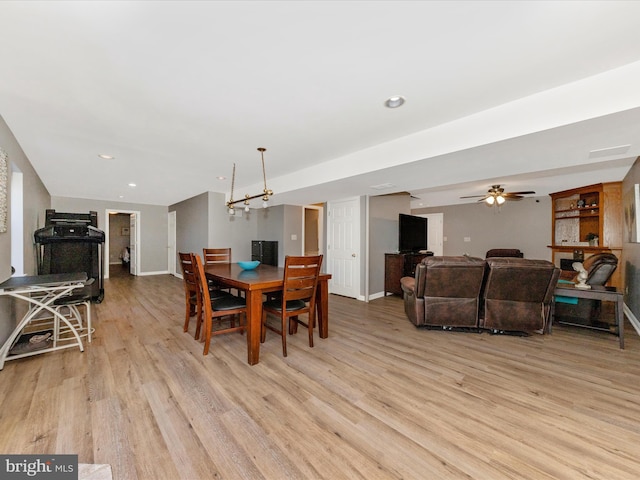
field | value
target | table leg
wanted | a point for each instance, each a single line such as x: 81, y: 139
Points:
x: 254, y: 321
x: 620, y: 319
x: 322, y: 308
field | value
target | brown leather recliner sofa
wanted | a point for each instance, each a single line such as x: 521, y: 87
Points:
x: 444, y: 292
x: 497, y: 294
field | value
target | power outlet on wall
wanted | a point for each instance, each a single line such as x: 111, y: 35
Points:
x: 467, y: 239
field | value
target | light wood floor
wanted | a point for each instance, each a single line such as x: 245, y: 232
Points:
x: 378, y: 399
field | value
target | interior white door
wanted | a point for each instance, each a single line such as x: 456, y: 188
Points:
x: 435, y: 235
x: 343, y: 247
x: 133, y: 245
x: 171, y: 249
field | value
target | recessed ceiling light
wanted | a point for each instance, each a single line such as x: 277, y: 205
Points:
x: 394, y: 102
x: 120, y: 196
x: 221, y: 178
x: 106, y: 157
x: 132, y: 184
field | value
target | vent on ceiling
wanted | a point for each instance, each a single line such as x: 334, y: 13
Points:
x: 605, y: 152
x: 382, y: 186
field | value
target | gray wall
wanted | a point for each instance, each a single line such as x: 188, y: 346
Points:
x: 282, y: 223
x: 153, y: 226
x: 292, y: 227
x: 192, y: 226
x: 631, y: 251
x: 203, y: 222
x: 271, y: 222
x: 383, y: 234
x: 524, y: 224
x: 36, y: 200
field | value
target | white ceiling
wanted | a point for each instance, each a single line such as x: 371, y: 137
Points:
x: 515, y: 93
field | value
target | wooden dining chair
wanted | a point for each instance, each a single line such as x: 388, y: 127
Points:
x: 193, y: 298
x: 192, y: 292
x: 214, y: 310
x: 298, y: 297
x: 212, y: 256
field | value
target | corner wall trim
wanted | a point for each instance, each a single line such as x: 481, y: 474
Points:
x: 632, y: 318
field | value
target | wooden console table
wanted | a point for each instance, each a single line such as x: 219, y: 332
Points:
x: 610, y: 294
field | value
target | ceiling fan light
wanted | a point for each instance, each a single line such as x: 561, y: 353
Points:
x: 500, y: 199
x: 490, y: 200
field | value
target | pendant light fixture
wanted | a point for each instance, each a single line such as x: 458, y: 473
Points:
x: 266, y: 193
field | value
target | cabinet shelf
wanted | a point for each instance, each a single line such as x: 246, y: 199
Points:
x: 576, y: 210
x: 576, y: 215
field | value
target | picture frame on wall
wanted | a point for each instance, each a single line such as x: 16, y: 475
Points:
x: 631, y: 209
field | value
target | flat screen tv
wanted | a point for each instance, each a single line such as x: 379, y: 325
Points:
x: 412, y: 233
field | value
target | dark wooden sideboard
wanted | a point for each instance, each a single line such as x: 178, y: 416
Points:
x: 396, y: 266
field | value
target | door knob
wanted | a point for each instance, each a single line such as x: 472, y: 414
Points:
x: 353, y: 255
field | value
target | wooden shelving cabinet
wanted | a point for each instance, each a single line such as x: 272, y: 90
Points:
x: 580, y: 213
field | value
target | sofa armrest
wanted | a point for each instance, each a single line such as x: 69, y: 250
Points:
x: 408, y: 285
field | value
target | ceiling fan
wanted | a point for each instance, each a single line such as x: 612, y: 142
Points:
x: 497, y: 196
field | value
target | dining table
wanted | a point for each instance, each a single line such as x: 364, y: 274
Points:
x: 264, y: 279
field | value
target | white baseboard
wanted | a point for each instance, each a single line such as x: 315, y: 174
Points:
x: 373, y: 296
x: 144, y: 274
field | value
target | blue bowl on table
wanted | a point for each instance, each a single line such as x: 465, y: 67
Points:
x: 249, y: 265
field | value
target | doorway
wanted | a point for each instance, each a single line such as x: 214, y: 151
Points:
x: 122, y: 234
x: 312, y: 234
x: 435, y: 235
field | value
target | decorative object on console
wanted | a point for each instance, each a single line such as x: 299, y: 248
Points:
x: 266, y: 193
x: 582, y: 275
